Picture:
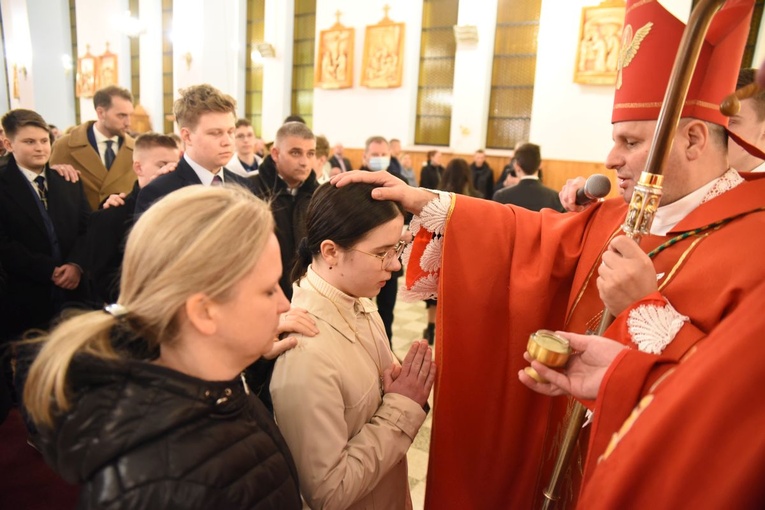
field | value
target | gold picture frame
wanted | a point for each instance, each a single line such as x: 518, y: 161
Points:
x: 383, y: 59
x: 334, y: 62
x: 600, y: 35
x: 107, y: 69
x: 87, y: 68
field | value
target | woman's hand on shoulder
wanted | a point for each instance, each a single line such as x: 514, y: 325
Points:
x: 295, y: 321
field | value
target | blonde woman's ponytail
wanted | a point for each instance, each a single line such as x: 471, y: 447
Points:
x: 45, y: 390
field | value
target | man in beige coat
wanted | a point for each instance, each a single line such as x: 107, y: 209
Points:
x: 101, y: 150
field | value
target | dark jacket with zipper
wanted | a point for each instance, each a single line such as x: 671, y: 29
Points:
x: 289, y: 213
x: 142, y: 436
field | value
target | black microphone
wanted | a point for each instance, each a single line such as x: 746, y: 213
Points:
x: 597, y: 186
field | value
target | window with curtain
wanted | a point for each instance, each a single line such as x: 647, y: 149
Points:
x: 512, y: 78
x: 253, y: 102
x: 436, y: 79
x: 302, y: 59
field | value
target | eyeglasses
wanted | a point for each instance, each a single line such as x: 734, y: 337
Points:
x: 387, y: 259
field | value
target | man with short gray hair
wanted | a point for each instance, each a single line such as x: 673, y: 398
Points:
x: 287, y: 180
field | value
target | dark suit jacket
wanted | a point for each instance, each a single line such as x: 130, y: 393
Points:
x: 181, y: 177
x: 334, y: 162
x: 107, y: 233
x: 531, y: 194
x: 26, y: 252
x: 289, y: 213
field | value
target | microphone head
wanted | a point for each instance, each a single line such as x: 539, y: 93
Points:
x: 597, y: 186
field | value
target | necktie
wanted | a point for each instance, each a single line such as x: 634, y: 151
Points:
x: 40, y: 181
x: 217, y: 181
x: 109, y: 154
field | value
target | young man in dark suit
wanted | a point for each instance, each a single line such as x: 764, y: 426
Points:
x: 207, y: 120
x: 43, y: 219
x: 154, y: 155
x: 529, y: 192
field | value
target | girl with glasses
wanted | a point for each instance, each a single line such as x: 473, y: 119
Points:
x: 347, y: 409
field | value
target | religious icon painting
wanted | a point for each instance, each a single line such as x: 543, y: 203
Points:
x: 383, y: 58
x: 598, y: 56
x: 86, y: 75
x: 334, y: 61
x: 107, y: 69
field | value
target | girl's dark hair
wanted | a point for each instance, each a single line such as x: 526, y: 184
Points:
x: 457, y: 178
x: 343, y: 215
x: 430, y: 155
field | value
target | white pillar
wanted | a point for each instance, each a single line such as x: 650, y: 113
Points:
x: 277, y: 71
x: 472, y: 78
x: 53, y: 84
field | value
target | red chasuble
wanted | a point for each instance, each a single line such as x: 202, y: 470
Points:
x: 507, y: 272
x: 697, y: 440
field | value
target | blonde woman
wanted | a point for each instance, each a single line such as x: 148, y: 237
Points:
x: 146, y: 404
x: 348, y: 410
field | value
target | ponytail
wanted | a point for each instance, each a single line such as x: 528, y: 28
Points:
x: 302, y: 261
x: 46, y: 391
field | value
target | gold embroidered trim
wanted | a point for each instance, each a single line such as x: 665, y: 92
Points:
x: 680, y: 261
x: 638, y: 4
x: 589, y: 276
x: 657, y: 104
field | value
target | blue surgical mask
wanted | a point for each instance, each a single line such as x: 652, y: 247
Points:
x: 377, y: 163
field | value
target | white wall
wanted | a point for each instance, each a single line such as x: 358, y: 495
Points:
x: 571, y: 121
x: 18, y: 50
x: 277, y: 70
x: 352, y: 115
x: 52, y: 49
x: 150, y: 50
x: 472, y: 78
x: 98, y: 23
x: 5, y: 98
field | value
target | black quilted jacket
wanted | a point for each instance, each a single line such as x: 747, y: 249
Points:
x: 141, y: 436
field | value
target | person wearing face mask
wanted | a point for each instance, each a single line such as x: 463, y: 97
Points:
x: 376, y: 158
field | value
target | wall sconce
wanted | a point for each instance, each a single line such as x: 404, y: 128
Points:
x: 466, y: 34
x: 188, y: 58
x: 20, y: 70
x: 266, y: 50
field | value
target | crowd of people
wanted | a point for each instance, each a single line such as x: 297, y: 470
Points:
x: 208, y: 324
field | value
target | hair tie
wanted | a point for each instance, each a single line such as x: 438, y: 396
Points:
x: 116, y: 310
x: 303, y: 250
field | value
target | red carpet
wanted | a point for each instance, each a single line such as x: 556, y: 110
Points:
x: 27, y: 482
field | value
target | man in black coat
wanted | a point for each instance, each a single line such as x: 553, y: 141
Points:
x: 529, y: 192
x: 207, y: 120
x: 287, y: 180
x: 483, y: 175
x: 154, y: 154
x: 43, y: 219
